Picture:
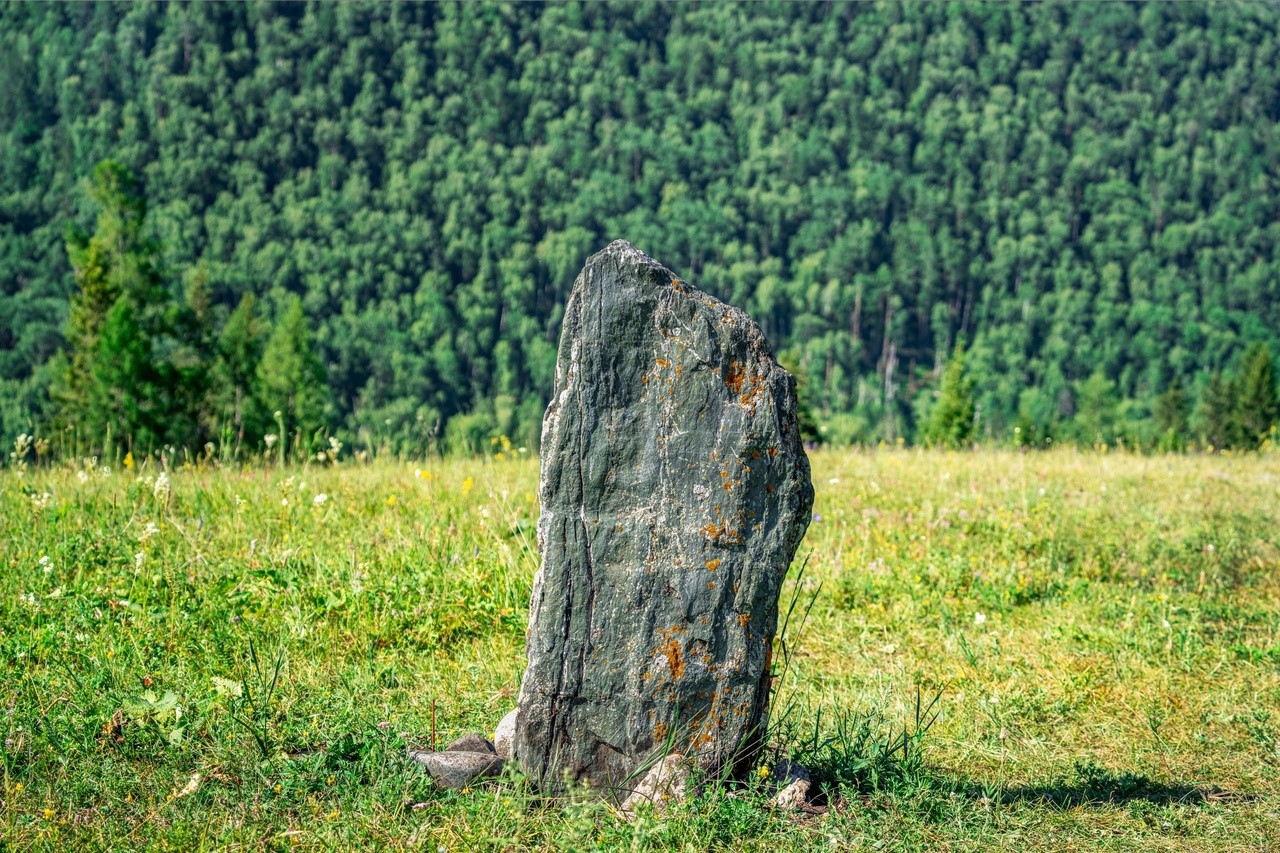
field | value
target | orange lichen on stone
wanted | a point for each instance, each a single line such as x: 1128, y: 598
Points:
x: 722, y: 534
x: 675, y: 661
x: 772, y: 451
x: 744, y: 619
x: 736, y: 376
x: 662, y: 362
x: 711, y: 584
x: 712, y: 565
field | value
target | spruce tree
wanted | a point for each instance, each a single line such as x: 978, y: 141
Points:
x: 1257, y: 406
x: 105, y: 265
x: 291, y: 379
x: 239, y: 352
x: 130, y: 374
x: 951, y: 420
x: 1217, y: 412
x: 805, y: 418
x: 1171, y: 417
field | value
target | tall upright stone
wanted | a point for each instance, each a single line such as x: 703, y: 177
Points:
x: 675, y: 490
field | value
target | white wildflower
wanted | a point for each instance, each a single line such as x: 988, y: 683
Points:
x: 41, y: 500
x: 138, y: 558
x: 319, y: 499
x: 979, y: 618
x: 82, y: 476
x: 46, y: 564
x: 161, y: 487
x: 270, y: 438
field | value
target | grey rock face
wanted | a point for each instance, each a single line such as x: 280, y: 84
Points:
x: 468, y: 758
x: 661, y: 786
x: 504, y: 733
x: 793, y: 782
x: 472, y: 743
x: 674, y: 492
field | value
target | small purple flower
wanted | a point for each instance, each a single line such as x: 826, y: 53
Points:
x: 817, y: 516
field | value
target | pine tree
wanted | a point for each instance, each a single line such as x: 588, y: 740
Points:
x: 130, y: 376
x: 1172, y: 409
x: 1216, y: 414
x: 1257, y: 406
x: 122, y: 381
x: 239, y: 352
x: 809, y: 432
x: 291, y: 379
x: 951, y: 420
x: 105, y: 264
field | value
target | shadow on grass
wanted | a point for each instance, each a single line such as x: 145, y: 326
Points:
x: 1091, y: 785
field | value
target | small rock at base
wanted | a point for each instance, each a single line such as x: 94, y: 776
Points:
x: 472, y: 743
x: 794, y: 781
x: 458, y: 769
x: 660, y: 787
x: 504, y: 734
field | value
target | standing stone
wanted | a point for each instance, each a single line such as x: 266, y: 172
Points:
x: 674, y: 492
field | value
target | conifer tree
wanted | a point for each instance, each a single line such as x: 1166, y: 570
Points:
x: 131, y: 376
x: 1217, y: 412
x: 951, y: 420
x: 291, y: 379
x: 106, y: 265
x: 1171, y: 417
x: 1257, y: 406
x: 239, y: 352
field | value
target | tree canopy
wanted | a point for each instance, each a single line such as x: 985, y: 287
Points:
x: 1086, y: 193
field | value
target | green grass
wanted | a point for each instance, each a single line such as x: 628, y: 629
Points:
x: 1101, y: 631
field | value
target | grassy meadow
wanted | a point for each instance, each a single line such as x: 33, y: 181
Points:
x: 238, y: 658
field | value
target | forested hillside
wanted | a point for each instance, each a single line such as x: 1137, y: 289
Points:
x: 1088, y: 195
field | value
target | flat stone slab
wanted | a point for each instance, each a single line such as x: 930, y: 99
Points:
x: 674, y: 493
x: 467, y: 759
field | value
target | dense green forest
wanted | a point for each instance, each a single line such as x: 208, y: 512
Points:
x: 366, y: 217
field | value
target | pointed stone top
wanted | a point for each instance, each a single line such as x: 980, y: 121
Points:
x: 623, y: 253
